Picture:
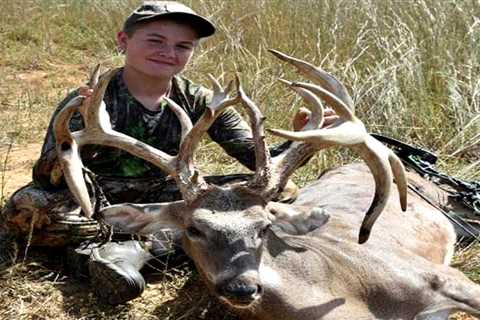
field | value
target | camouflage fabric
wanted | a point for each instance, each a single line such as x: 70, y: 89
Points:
x: 160, y: 129
x: 45, y: 218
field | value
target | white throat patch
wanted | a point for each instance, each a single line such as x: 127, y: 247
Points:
x: 269, y: 277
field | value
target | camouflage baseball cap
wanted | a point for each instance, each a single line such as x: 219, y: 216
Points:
x: 151, y: 10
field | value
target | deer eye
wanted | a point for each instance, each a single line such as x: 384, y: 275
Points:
x: 193, y: 232
x: 262, y: 233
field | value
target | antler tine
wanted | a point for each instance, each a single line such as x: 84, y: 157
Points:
x: 68, y: 155
x: 94, y: 113
x: 92, y: 83
x: 262, y: 155
x: 182, y: 116
x: 344, y: 111
x: 347, y: 131
x: 284, y: 164
x: 313, y: 103
x: 94, y: 77
x: 220, y: 101
x: 185, y: 166
x: 318, y: 76
x: 382, y: 163
x: 400, y: 177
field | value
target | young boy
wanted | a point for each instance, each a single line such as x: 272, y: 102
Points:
x: 158, y: 40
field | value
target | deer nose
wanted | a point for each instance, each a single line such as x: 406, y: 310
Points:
x: 240, y: 291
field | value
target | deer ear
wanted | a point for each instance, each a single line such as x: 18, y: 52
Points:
x: 296, y: 220
x: 144, y: 218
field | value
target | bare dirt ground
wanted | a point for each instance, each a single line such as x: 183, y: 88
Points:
x: 17, y: 170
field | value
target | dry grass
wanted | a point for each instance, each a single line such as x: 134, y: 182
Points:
x: 39, y: 288
x: 412, y: 67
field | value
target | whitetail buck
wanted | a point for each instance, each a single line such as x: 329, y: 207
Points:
x: 303, y: 260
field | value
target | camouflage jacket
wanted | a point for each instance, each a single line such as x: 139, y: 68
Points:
x: 160, y: 129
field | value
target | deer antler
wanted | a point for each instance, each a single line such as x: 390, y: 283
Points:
x: 271, y: 174
x: 262, y: 155
x: 347, y: 131
x: 190, y: 142
x: 98, y: 130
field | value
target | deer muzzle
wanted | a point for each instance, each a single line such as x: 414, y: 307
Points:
x: 241, y: 291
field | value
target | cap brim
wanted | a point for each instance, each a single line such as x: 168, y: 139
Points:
x: 201, y: 25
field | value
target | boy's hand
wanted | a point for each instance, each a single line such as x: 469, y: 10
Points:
x: 301, y: 118
x: 86, y: 92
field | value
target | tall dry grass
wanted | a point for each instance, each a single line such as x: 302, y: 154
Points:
x: 412, y: 68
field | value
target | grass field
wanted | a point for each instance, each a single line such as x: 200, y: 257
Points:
x: 412, y: 68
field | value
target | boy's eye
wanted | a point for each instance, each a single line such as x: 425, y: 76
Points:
x: 155, y: 40
x: 263, y: 231
x: 184, y: 47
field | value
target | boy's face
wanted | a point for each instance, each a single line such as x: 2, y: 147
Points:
x: 159, y: 48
